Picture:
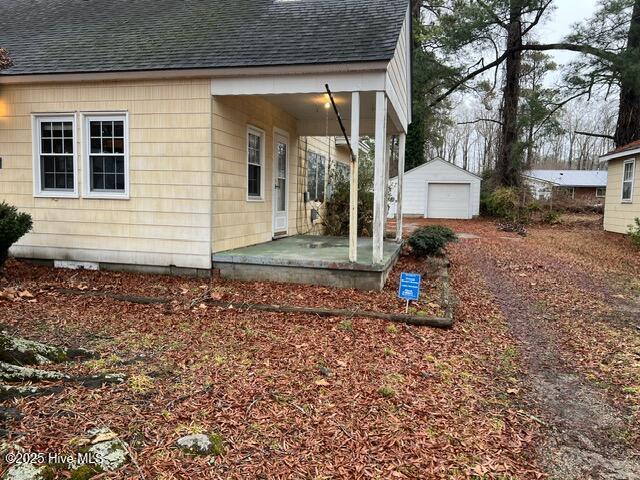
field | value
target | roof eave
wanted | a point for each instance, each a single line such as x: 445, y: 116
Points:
x: 294, y: 68
x: 616, y: 155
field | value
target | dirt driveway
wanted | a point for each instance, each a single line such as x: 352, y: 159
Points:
x: 571, y: 299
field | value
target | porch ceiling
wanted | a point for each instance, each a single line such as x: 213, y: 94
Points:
x: 315, y: 119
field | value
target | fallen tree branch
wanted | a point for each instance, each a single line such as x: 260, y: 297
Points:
x: 331, y: 312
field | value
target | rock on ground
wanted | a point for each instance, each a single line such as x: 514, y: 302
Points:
x: 201, y: 444
x: 25, y: 471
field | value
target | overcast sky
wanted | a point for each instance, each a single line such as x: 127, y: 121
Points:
x: 567, y: 13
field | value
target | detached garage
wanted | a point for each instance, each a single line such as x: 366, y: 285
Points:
x: 438, y: 189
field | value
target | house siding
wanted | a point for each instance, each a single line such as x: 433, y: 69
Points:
x: 238, y: 222
x: 166, y: 220
x: 618, y: 215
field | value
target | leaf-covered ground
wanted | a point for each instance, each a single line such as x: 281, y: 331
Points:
x: 297, y: 396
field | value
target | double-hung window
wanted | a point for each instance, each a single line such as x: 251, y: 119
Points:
x: 628, y: 172
x: 55, y: 158
x: 255, y: 163
x: 316, y: 165
x: 107, y: 162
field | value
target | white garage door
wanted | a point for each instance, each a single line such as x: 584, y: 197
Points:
x: 448, y: 200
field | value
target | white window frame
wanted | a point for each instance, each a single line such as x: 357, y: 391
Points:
x: 86, y: 150
x: 261, y: 133
x: 38, y: 190
x: 631, y: 162
x: 601, y: 188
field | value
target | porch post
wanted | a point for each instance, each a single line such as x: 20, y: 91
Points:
x: 353, y: 187
x: 379, y: 177
x: 401, y: 149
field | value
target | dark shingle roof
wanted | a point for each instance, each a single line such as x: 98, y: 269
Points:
x: 67, y: 36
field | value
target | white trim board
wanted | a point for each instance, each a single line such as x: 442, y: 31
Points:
x: 193, y: 73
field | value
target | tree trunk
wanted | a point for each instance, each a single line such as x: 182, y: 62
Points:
x: 509, y: 160
x: 628, y: 127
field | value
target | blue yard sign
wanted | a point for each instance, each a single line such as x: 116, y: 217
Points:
x: 409, y: 287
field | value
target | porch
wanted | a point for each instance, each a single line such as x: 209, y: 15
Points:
x: 313, y: 259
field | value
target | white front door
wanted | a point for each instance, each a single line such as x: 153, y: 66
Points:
x: 280, y: 185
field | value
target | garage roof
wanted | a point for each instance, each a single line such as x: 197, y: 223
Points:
x: 449, y: 164
x: 78, y: 36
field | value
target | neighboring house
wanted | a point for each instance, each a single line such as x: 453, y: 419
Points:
x: 438, y: 189
x: 158, y: 132
x: 587, y: 186
x: 623, y: 188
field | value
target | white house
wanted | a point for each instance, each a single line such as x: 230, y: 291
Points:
x: 437, y: 189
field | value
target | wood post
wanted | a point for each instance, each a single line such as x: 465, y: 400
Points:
x: 353, y: 187
x: 401, y: 151
x: 379, y: 199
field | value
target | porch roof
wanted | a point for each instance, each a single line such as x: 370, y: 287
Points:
x: 80, y: 36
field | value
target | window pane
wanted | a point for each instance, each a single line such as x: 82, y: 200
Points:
x: 321, y: 167
x: 97, y: 164
x: 311, y: 175
x: 118, y: 145
x: 118, y: 129
x: 48, y: 164
x: 56, y: 129
x: 46, y: 146
x: 109, y: 165
x: 120, y: 164
x: 45, y: 129
x: 60, y: 165
x: 107, y: 129
x: 49, y: 180
x: 68, y: 130
x: 96, y: 145
x: 282, y: 160
x: 97, y: 182
x: 57, y: 145
x: 95, y: 129
x: 68, y: 145
x: 107, y: 145
x: 70, y: 181
x: 109, y: 182
x: 626, y: 191
x: 254, y: 149
x: 282, y: 195
x: 120, y: 181
x: 254, y: 181
x: 61, y: 180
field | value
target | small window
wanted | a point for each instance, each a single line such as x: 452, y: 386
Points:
x: 107, y: 162
x: 255, y: 163
x: 55, y: 160
x: 601, y: 192
x: 316, y: 165
x: 627, y: 181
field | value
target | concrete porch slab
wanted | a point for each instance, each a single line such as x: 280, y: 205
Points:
x: 310, y: 259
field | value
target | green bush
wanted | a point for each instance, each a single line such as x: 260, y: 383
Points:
x: 503, y: 203
x: 431, y: 240
x: 634, y: 232
x: 551, y: 217
x: 13, y: 225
